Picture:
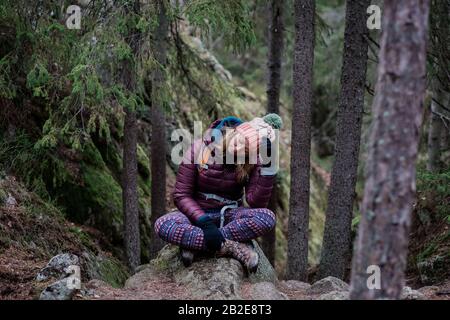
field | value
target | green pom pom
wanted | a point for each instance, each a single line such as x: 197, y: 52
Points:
x: 274, y: 120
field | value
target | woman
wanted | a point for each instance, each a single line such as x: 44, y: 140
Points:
x: 209, y: 195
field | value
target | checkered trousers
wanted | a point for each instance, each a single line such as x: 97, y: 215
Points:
x: 241, y: 224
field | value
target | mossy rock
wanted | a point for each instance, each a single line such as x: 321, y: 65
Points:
x: 106, y: 268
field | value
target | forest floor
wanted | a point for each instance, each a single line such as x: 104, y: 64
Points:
x: 29, y: 236
x: 165, y: 288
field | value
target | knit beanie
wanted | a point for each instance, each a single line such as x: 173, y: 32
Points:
x: 253, y: 132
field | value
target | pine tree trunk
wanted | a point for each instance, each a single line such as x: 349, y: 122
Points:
x: 276, y: 37
x: 269, y: 239
x: 336, y: 248
x: 158, y: 139
x: 276, y: 44
x: 440, y: 36
x: 297, y: 260
x: 436, y: 129
x: 391, y: 169
x: 130, y: 192
x: 130, y: 173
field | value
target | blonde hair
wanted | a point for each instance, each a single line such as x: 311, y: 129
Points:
x: 243, y: 170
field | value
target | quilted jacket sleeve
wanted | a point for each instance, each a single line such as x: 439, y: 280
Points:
x: 185, y: 186
x: 259, y: 189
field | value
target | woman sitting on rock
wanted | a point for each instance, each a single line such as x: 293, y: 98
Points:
x: 209, y: 192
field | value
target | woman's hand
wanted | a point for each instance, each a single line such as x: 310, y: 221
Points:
x: 212, y: 234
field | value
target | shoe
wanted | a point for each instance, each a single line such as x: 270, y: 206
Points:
x: 187, y: 257
x: 243, y: 252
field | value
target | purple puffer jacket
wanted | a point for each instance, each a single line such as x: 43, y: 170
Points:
x: 218, y: 179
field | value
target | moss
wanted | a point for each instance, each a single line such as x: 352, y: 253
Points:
x: 92, y: 155
x: 113, y: 272
x: 84, y: 238
x: 104, y: 196
x: 143, y: 162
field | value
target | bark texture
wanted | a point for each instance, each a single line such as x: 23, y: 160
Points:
x: 336, y: 249
x: 158, y: 139
x: 435, y: 133
x: 276, y: 45
x: 391, y: 169
x: 297, y: 260
x: 130, y: 173
x: 440, y: 84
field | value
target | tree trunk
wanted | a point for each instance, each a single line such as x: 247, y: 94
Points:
x: 276, y: 35
x: 436, y: 128
x: 336, y: 248
x: 158, y: 140
x: 273, y: 100
x: 439, y: 25
x: 130, y: 173
x: 297, y: 260
x: 391, y: 169
x: 130, y: 192
x: 269, y: 240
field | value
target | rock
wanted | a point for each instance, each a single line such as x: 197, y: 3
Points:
x: 59, y: 290
x: 58, y: 266
x: 335, y: 295
x: 139, y: 278
x: 410, y: 294
x: 266, y: 291
x: 212, y: 279
x: 295, y: 285
x: 328, y: 285
x: 208, y: 278
x: 265, y: 271
x: 168, y: 259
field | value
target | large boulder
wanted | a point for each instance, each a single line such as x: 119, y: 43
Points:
x: 212, y: 279
x: 294, y: 285
x: 327, y: 285
x: 265, y: 271
x: 335, y: 295
x: 208, y: 277
x: 265, y: 291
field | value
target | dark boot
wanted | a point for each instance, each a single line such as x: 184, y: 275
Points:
x: 187, y: 257
x: 243, y: 252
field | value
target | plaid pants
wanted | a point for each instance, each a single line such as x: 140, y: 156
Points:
x: 241, y: 224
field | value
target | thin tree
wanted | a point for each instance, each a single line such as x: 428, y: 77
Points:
x: 297, y: 259
x: 440, y: 37
x: 391, y: 169
x: 130, y: 173
x: 276, y: 44
x: 158, y: 119
x: 336, y: 249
